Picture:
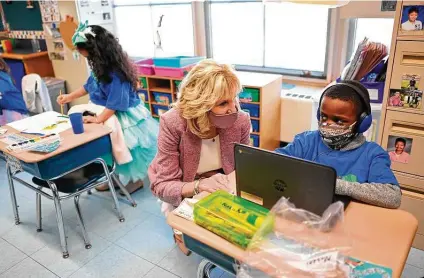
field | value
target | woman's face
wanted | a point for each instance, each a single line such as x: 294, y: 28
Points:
x: 225, y: 106
x: 399, y: 147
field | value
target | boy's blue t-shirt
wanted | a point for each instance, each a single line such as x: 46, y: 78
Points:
x: 11, y: 98
x: 367, y: 164
x: 118, y: 95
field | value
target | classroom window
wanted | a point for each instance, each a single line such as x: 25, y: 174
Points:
x: 277, y: 37
x: 137, y: 26
x: 375, y: 29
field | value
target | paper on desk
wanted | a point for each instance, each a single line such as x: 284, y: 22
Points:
x: 40, y: 122
x: 185, y: 209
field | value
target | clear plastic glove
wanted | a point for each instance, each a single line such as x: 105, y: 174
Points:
x: 214, y: 183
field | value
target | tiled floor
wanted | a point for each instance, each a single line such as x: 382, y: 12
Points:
x: 142, y: 246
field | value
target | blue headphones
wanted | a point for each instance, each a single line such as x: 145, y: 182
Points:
x: 365, y: 119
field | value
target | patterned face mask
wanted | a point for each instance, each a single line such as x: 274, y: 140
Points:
x: 336, y: 136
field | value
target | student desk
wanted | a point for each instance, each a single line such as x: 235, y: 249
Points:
x: 379, y: 235
x: 74, y: 152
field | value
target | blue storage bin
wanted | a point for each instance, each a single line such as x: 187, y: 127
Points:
x: 255, y: 125
x: 162, y: 98
x: 254, y: 140
x: 252, y: 109
x: 176, y: 61
x: 159, y: 109
x: 144, y: 96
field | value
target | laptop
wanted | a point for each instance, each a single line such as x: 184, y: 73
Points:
x: 263, y: 177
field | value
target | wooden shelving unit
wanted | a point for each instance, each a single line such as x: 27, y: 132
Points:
x: 268, y: 86
x: 406, y: 52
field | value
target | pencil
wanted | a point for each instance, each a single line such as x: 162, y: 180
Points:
x: 61, y: 106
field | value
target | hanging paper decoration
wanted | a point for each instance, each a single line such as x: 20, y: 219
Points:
x: 329, y: 3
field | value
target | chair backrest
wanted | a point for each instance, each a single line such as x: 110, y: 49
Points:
x: 36, y: 94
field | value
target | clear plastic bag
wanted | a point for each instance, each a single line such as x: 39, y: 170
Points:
x: 301, y: 244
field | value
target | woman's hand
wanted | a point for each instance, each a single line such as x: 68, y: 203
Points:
x: 214, y: 183
x: 90, y: 120
x: 63, y: 99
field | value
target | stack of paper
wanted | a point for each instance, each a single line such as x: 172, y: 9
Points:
x: 366, y: 57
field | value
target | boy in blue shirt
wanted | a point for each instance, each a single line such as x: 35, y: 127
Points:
x: 363, y: 168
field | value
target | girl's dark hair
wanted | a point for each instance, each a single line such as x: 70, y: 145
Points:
x: 400, y: 140
x: 412, y: 10
x: 106, y: 56
x: 4, y: 67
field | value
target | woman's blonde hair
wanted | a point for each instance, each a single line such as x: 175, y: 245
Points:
x: 206, y: 84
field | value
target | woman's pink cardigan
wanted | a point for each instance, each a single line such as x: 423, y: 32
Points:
x: 178, y: 154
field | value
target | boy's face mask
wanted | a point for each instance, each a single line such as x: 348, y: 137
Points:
x: 336, y: 136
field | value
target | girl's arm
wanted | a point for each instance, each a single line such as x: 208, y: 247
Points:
x: 101, y: 118
x: 66, y: 98
x: 78, y: 93
x: 105, y: 115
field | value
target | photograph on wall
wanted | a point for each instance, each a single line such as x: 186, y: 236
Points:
x: 60, y: 55
x: 412, y: 18
x: 105, y: 3
x: 410, y: 81
x: 50, y: 11
x: 106, y: 16
x: 405, y: 98
x: 399, y: 148
x: 51, y: 30
x: 58, y: 45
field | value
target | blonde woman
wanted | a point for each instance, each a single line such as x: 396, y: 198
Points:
x: 197, y: 136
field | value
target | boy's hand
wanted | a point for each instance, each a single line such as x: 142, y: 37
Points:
x: 63, y: 99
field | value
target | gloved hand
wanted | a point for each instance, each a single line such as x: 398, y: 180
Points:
x: 214, y: 183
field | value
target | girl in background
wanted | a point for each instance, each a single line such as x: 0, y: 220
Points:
x: 12, y: 104
x: 112, y: 84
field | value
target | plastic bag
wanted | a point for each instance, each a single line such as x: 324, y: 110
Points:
x: 301, y: 244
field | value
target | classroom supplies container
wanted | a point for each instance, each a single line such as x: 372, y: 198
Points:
x: 159, y: 109
x: 252, y: 109
x: 145, y: 67
x: 162, y: 98
x: 254, y: 140
x: 249, y: 95
x: 172, y: 72
x: 230, y: 217
x: 54, y: 86
x: 177, y: 61
x: 143, y: 81
x: 376, y: 91
x: 77, y: 123
x: 144, y: 95
x: 255, y: 125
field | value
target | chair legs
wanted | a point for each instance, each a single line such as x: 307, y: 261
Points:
x: 12, y: 194
x: 116, y: 181
x: 38, y: 210
x: 81, y: 222
x: 59, y: 218
x: 112, y: 191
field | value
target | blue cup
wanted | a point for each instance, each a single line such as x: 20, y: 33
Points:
x: 77, y: 123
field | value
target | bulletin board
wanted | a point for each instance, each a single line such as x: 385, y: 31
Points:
x: 28, y: 19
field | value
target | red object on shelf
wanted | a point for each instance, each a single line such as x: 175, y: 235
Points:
x: 145, y: 67
x: 7, y: 46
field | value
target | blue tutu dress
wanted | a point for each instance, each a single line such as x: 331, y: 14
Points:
x: 138, y: 126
